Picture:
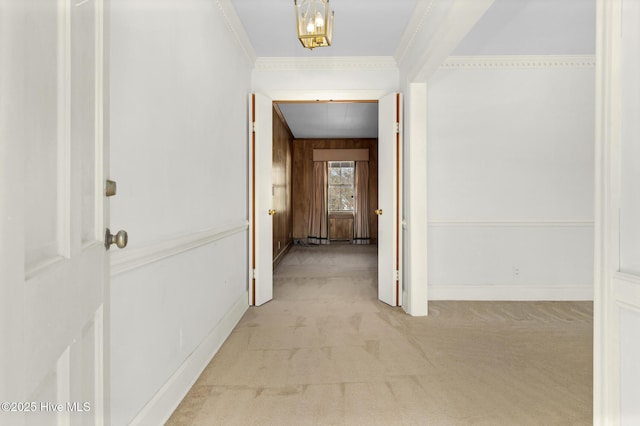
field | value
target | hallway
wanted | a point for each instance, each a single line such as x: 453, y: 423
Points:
x: 325, y: 351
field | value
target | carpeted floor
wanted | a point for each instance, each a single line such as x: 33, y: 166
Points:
x: 326, y: 352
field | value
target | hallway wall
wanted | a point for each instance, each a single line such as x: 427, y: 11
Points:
x: 179, y: 113
x: 510, y: 149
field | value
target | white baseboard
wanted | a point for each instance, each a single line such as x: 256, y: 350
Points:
x: 510, y: 292
x: 158, y: 410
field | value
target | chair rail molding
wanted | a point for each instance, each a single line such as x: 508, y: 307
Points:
x: 550, y: 222
x: 136, y: 257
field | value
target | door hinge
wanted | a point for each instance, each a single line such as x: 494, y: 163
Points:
x: 253, y: 126
x: 253, y: 274
x: 397, y: 127
x: 397, y: 273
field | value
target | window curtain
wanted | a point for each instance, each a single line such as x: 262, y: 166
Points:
x: 361, y: 208
x: 318, y: 216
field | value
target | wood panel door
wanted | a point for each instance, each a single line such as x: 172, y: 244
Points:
x: 54, y: 270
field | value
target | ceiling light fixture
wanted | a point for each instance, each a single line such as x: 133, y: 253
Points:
x: 314, y: 21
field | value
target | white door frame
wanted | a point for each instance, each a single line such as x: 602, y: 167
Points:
x: 410, y: 304
x: 613, y: 290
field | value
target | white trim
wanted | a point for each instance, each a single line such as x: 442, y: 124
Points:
x: 626, y: 288
x: 63, y: 184
x: 510, y: 292
x: 99, y: 122
x: 513, y: 223
x: 63, y: 385
x: 420, y: 14
x: 158, y: 410
x: 128, y: 259
x: 519, y: 62
x: 415, y: 224
x: 606, y: 356
x: 237, y: 29
x: 325, y: 63
x: 99, y: 384
x: 324, y: 95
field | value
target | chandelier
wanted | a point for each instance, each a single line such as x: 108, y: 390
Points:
x: 314, y: 21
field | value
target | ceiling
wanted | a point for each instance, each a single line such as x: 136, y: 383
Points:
x: 361, y: 28
x: 375, y: 28
x: 337, y: 120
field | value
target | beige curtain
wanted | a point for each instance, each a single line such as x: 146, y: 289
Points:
x: 361, y: 208
x: 318, y: 216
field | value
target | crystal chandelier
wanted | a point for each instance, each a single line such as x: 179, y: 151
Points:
x: 314, y: 22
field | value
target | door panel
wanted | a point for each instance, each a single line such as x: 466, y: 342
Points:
x: 261, y: 202
x: 626, y: 283
x: 55, y: 269
x: 389, y: 203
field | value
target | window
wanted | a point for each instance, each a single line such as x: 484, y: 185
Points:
x: 341, y: 186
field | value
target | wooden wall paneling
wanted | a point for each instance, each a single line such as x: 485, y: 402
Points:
x: 282, y: 162
x: 302, y: 179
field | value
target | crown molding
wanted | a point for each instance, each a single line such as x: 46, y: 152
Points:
x: 326, y: 63
x: 519, y: 62
x: 418, y: 17
x: 234, y: 25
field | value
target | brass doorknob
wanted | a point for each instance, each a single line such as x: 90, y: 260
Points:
x: 378, y: 212
x: 120, y: 239
x: 271, y: 212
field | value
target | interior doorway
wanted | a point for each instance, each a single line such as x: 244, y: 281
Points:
x: 329, y: 135
x: 325, y: 182
x: 270, y: 179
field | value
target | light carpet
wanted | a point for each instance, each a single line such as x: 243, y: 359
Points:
x: 325, y: 351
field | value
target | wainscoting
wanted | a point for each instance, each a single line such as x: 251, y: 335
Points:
x: 510, y: 259
x: 173, y: 304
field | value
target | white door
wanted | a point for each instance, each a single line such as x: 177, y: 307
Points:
x: 53, y: 271
x: 389, y: 202
x: 617, y: 299
x: 261, y: 201
x: 626, y: 282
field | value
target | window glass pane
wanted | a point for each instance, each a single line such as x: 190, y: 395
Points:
x: 347, y: 175
x: 334, y: 175
x: 341, y: 185
x: 334, y: 199
x: 347, y: 195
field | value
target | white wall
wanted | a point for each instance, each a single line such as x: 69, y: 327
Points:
x: 510, y: 179
x: 179, y: 88
x: 325, y: 78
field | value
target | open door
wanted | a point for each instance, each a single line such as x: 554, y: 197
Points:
x: 389, y: 202
x: 617, y: 292
x: 54, y: 268
x: 261, y: 200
